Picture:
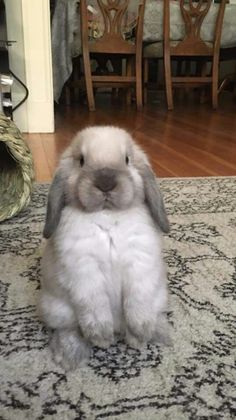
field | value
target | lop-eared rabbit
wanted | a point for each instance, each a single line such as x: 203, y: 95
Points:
x: 103, y: 273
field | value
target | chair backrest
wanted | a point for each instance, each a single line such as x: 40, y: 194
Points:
x: 193, y: 14
x: 112, y: 18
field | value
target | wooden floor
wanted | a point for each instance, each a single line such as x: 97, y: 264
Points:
x: 193, y: 140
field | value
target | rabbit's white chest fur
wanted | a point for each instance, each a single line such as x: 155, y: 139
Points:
x: 101, y: 249
x: 107, y: 236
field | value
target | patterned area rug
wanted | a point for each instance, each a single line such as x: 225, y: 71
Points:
x: 194, y: 378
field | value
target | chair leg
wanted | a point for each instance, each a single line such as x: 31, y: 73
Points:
x: 88, y: 81
x: 90, y: 95
x: 168, y: 81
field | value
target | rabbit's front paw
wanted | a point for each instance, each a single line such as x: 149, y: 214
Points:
x: 140, y: 332
x: 68, y: 349
x: 132, y: 341
x: 100, y: 334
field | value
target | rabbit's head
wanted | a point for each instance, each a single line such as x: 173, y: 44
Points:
x: 104, y: 169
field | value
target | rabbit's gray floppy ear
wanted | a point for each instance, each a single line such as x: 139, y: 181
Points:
x: 56, y: 202
x: 154, y: 198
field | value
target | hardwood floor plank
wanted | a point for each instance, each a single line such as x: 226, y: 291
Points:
x: 170, y: 159
x: 42, y: 170
x: 198, y: 157
x: 192, y: 140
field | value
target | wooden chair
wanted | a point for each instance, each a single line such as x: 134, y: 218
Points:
x: 113, y: 45
x: 192, y: 47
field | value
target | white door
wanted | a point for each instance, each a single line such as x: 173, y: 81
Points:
x: 28, y: 23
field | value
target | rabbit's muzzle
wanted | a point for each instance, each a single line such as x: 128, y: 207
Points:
x: 104, y: 188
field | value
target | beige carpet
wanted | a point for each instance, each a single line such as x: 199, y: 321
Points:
x: 192, y: 379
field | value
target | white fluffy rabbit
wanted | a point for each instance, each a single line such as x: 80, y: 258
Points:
x: 102, y: 270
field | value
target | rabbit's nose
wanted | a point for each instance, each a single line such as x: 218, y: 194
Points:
x: 105, y: 179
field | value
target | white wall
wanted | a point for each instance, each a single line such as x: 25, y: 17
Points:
x: 28, y: 22
x: 17, y: 58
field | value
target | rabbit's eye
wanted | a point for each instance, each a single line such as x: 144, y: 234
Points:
x: 81, y: 160
x: 127, y: 160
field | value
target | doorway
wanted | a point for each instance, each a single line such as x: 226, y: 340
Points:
x: 28, y: 23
